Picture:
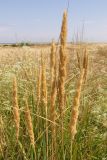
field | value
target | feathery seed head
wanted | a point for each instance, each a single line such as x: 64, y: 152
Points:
x: 16, y: 108
x: 63, y: 35
x: 29, y: 123
x: 62, y: 62
x: 75, y: 109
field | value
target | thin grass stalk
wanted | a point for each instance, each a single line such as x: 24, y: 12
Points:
x: 1, y: 137
x: 43, y: 82
x: 53, y: 99
x: 16, y: 108
x: 38, y: 95
x: 44, y: 98
x: 39, y: 88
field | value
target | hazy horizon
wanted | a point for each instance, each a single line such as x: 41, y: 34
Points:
x: 37, y: 21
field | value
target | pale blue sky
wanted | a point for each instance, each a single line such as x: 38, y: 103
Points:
x: 40, y: 20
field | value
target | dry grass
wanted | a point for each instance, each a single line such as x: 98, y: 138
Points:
x: 53, y: 98
x: 16, y: 108
x: 29, y: 124
x: 47, y: 112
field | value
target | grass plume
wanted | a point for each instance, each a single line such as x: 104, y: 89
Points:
x: 53, y: 98
x: 29, y: 123
x: 62, y: 72
x: 16, y: 108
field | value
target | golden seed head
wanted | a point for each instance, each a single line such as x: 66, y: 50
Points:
x: 75, y: 109
x: 52, y: 55
x: 29, y: 123
x: 16, y: 108
x: 63, y: 36
x: 62, y: 63
x: 85, y: 59
x: 85, y: 64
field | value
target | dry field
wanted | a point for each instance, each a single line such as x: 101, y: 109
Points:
x: 53, y: 102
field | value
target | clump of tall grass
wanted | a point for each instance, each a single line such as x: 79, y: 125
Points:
x: 46, y: 117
